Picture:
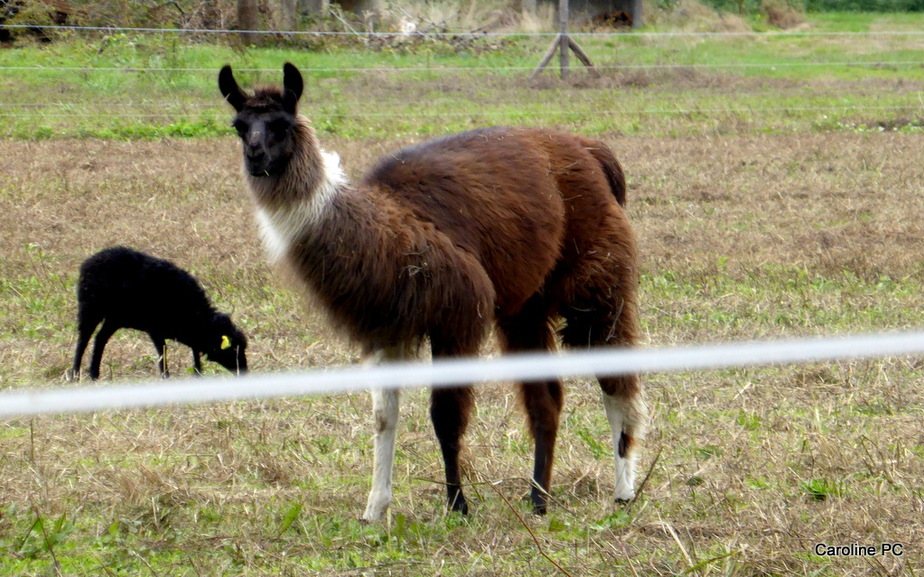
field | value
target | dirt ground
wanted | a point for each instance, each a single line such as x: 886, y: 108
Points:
x: 741, y: 237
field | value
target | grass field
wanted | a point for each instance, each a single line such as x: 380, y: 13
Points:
x: 790, y: 217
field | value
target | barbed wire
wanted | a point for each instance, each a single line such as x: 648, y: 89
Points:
x: 442, y: 114
x: 473, y: 34
x: 616, y: 67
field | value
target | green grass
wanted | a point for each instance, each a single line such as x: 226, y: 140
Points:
x: 155, y: 85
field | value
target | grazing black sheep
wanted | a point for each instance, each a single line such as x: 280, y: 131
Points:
x: 124, y: 288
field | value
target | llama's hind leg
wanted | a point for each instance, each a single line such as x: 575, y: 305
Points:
x: 385, y: 409
x: 601, y: 324
x: 542, y: 400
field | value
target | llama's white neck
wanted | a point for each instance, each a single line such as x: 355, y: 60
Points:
x: 301, y: 196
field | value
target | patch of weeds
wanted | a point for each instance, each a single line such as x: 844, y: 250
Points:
x: 748, y: 421
x: 288, y: 518
x: 325, y: 444
x: 43, y: 132
x: 695, y: 481
x: 616, y: 520
x: 597, y: 448
x: 208, y: 516
x: 408, y: 534
x: 43, y: 536
x: 873, y: 409
x: 759, y: 483
x: 820, y: 489
x: 708, y: 451
x: 33, y: 295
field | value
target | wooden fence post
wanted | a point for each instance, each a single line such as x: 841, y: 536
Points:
x: 564, y: 44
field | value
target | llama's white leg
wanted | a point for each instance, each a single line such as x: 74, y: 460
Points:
x: 385, y: 409
x: 627, y: 416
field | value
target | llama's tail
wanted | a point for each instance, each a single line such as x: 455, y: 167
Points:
x: 611, y: 168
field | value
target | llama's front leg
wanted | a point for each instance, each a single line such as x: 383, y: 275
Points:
x: 628, y: 417
x: 385, y: 409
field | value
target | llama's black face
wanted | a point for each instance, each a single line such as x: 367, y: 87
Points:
x: 267, y: 138
x: 227, y: 345
x: 265, y: 121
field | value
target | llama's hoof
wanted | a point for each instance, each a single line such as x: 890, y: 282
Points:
x: 370, y: 519
x: 540, y: 501
x: 459, y: 505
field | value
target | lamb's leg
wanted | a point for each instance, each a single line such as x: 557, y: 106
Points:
x: 99, y: 343
x: 161, y: 346
x: 85, y: 327
x: 197, y: 362
x: 385, y: 409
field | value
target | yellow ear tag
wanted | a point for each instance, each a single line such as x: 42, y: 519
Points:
x: 225, y: 342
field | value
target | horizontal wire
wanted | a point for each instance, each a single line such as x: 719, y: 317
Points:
x: 448, y: 373
x: 732, y: 65
x: 478, y: 34
x: 495, y: 112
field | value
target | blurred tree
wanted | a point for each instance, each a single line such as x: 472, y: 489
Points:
x: 588, y: 9
x: 248, y: 19
x: 313, y: 7
x: 288, y: 15
x: 360, y: 6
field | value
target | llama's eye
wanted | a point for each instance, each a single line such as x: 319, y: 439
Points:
x: 279, y: 127
x: 240, y: 126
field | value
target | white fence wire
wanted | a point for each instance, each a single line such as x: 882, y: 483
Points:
x: 445, y: 373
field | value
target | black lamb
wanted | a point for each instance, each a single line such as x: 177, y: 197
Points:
x: 124, y: 288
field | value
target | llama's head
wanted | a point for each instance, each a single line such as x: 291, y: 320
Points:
x: 226, y: 344
x: 265, y: 120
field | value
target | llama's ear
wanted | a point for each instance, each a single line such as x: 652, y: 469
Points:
x: 229, y: 88
x: 293, y: 84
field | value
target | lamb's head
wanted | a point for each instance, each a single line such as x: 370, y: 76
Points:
x: 226, y: 344
x: 265, y: 121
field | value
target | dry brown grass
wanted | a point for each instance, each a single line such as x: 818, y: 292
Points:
x: 783, y: 14
x: 693, y: 16
x: 739, y: 236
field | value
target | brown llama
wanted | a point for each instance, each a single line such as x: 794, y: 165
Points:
x: 519, y: 228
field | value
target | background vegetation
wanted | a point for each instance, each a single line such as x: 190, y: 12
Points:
x: 445, y: 15
x: 775, y: 192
